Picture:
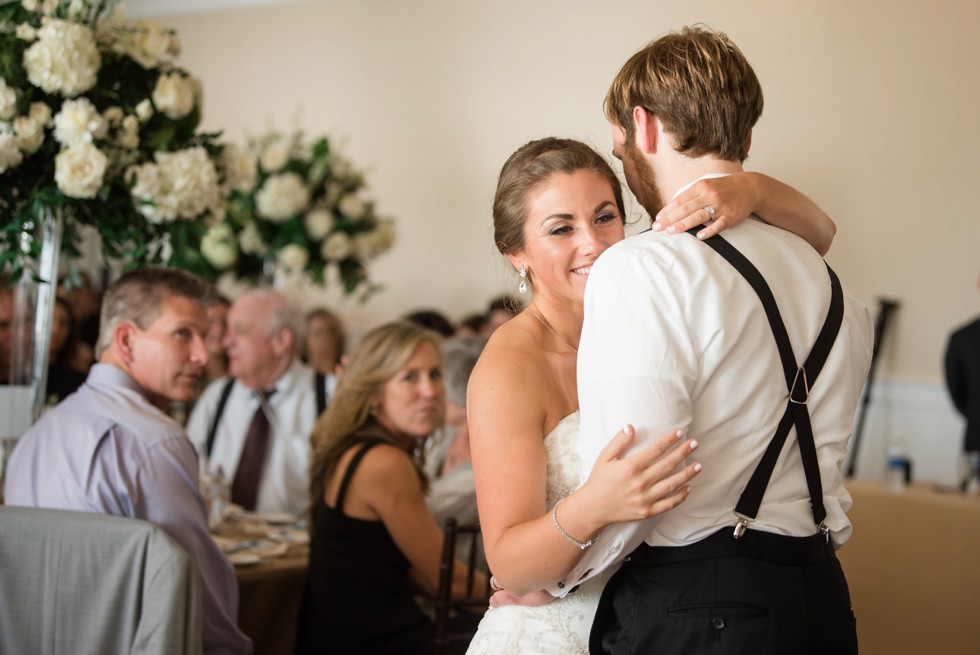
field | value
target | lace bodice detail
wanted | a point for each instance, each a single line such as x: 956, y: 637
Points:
x: 564, y: 464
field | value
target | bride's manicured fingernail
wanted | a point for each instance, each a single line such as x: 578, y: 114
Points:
x: 679, y: 434
x: 657, y: 226
x: 697, y: 467
x: 694, y: 444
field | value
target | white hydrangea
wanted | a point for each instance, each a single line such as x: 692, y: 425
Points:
x: 8, y: 101
x: 281, y: 197
x: 29, y: 133
x: 239, y: 168
x: 65, y: 58
x: 26, y: 32
x: 79, y: 122
x: 10, y: 154
x: 336, y: 247
x: 180, y: 185
x: 174, y: 96
x: 219, y: 247
x: 293, y: 258
x: 318, y: 223
x: 251, y: 241
x: 79, y: 170
x: 351, y: 206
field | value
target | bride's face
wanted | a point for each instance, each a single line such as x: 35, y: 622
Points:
x: 571, y: 219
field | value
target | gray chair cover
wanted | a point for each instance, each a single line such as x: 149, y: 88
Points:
x: 80, y: 583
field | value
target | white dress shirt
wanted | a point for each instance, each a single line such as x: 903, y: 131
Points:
x: 675, y: 338
x: 285, y: 483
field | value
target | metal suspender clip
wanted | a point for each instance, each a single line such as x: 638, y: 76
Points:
x: 825, y: 531
x: 800, y: 375
x: 741, y: 526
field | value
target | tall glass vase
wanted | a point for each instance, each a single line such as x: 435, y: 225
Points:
x: 24, y: 384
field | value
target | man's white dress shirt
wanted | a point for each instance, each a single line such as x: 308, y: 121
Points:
x: 292, y: 412
x: 675, y: 338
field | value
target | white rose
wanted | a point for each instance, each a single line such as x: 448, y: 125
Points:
x: 113, y: 115
x: 41, y: 113
x: 351, y: 206
x: 29, y: 133
x: 79, y: 170
x: 79, y: 122
x: 336, y: 247
x: 218, y: 246
x: 8, y: 101
x: 238, y: 167
x: 129, y: 133
x: 281, y: 197
x: 147, y: 43
x: 144, y: 110
x: 293, y: 258
x: 29, y: 5
x: 373, y: 243
x: 65, y: 58
x: 251, y: 241
x: 274, y: 156
x: 318, y: 223
x: 10, y: 154
x: 174, y: 96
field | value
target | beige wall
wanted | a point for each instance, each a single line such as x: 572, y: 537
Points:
x: 870, y: 110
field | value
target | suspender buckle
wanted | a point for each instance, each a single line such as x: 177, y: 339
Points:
x: 825, y: 531
x: 794, y: 395
x: 741, y: 526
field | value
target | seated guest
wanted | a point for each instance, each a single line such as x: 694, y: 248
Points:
x: 63, y: 377
x: 324, y: 340
x: 452, y: 493
x: 217, y: 327
x: 471, y: 325
x: 109, y: 449
x: 373, y: 541
x: 256, y: 423
x: 433, y: 320
x: 500, y: 310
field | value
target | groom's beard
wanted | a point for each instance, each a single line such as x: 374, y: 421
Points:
x: 644, y: 183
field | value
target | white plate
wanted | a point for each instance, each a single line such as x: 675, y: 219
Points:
x: 244, y: 559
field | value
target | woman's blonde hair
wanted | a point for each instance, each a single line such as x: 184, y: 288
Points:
x: 381, y: 353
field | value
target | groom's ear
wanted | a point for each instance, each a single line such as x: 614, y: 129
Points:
x: 645, y: 134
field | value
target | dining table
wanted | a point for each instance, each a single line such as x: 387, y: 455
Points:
x: 269, y: 553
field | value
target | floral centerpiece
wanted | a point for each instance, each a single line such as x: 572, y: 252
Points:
x: 99, y: 124
x: 297, y: 207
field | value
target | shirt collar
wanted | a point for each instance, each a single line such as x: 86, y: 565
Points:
x: 693, y: 182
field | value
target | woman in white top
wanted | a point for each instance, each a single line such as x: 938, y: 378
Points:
x: 558, y: 206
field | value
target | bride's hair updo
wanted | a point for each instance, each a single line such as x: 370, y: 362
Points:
x: 529, y: 167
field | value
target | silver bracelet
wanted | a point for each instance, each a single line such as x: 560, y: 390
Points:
x: 571, y: 539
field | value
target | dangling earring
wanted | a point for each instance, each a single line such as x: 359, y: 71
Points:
x: 522, y: 287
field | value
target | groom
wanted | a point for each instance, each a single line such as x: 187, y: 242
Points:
x: 676, y: 336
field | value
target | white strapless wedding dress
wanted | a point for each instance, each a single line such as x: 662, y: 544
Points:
x: 561, y: 626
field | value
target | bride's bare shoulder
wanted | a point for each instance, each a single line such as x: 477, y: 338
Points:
x: 513, y: 355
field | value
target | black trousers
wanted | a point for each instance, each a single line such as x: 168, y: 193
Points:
x: 763, y: 594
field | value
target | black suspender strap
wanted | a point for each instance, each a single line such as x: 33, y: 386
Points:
x: 799, y: 380
x: 319, y: 384
x: 219, y: 410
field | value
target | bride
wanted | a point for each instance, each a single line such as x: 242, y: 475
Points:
x: 557, y: 207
